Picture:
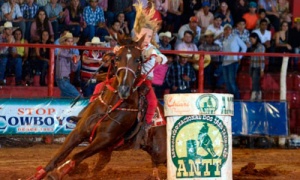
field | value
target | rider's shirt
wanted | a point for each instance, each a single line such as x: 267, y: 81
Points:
x: 151, y: 50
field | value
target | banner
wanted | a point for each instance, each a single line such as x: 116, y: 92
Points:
x: 38, y: 116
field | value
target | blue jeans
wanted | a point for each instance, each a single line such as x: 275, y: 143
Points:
x: 295, y: 59
x: 87, y: 90
x: 91, y: 31
x: 229, y: 74
x: 66, y: 88
x: 75, y: 30
x: 255, y: 75
x: 15, y: 63
x: 27, y: 32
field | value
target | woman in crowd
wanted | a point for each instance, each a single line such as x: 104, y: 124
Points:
x: 283, y: 8
x: 226, y: 14
x: 43, y: 56
x: 22, y: 55
x: 74, y: 19
x: 257, y: 65
x: 40, y: 24
x: 175, y: 11
x: 123, y: 24
x: 282, y: 43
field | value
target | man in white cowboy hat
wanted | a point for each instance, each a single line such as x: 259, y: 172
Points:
x: 8, y: 55
x: 210, y: 45
x: 186, y: 73
x: 164, y: 40
x: 110, y: 41
x: 66, y: 62
x: 11, y: 12
x: 91, y: 61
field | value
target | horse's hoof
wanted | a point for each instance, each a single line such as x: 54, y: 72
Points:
x: 53, y: 176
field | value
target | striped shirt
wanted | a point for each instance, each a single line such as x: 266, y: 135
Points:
x: 92, y: 17
x: 258, y: 61
x: 87, y: 70
x: 174, y: 76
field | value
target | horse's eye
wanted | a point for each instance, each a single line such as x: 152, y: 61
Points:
x: 137, y: 60
x: 117, y: 58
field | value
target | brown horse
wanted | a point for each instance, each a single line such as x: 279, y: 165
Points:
x: 108, y: 119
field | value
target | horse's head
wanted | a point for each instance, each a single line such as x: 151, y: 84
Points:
x: 128, y: 62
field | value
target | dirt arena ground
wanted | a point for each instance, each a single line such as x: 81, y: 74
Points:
x: 19, y: 163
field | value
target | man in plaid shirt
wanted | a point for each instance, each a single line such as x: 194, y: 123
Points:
x: 94, y: 21
x: 181, y: 75
x: 29, y: 10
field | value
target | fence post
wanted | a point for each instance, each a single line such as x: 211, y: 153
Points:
x: 51, y: 73
x: 201, y: 74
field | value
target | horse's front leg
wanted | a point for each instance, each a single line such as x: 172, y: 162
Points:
x: 72, y: 140
x: 101, y: 141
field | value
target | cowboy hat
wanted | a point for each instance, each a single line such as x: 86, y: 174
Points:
x: 68, y: 35
x: 7, y: 25
x: 95, y: 41
x: 207, y: 60
x: 208, y: 33
x: 108, y: 38
x: 166, y: 34
x: 186, y: 55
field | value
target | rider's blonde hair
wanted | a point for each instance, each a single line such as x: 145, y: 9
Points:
x: 144, y: 19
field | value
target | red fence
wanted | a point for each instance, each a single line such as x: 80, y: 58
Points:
x: 200, y: 53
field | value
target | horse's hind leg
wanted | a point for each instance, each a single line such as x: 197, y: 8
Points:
x: 72, y: 140
x: 100, y: 142
x: 103, y: 159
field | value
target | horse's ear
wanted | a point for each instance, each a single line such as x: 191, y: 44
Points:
x: 108, y: 57
x: 141, y: 40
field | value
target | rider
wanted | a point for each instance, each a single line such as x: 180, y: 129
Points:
x: 146, y: 26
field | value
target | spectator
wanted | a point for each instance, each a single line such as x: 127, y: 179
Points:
x: 74, y: 18
x: 242, y: 32
x: 162, y: 6
x: 115, y: 29
x: 251, y: 17
x: 102, y: 4
x: 9, y: 54
x: 216, y: 27
x: 42, y: 3
x: 123, y: 23
x: 282, y: 43
x: 173, y: 19
x: 225, y: 13
x: 158, y: 81
x: 56, y: 15
x: 294, y: 40
x: 205, y: 18
x: 91, y: 61
x: 94, y: 22
x: 187, y: 42
x: 214, y: 4
x: 66, y: 62
x: 164, y: 41
x: 231, y: 43
x: 43, y: 57
x: 22, y: 52
x: 239, y: 9
x: 257, y: 65
x: 40, y: 24
x: 261, y: 15
x: 193, y: 27
x: 215, y: 63
x: 29, y: 11
x: 264, y: 34
x: 11, y: 12
x: 190, y: 7
x: 283, y: 8
x: 116, y: 6
x: 272, y: 14
x: 180, y: 75
x: 110, y: 41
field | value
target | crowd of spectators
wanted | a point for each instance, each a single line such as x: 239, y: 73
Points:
x: 193, y: 25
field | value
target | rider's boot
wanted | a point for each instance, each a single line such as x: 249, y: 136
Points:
x: 40, y: 174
